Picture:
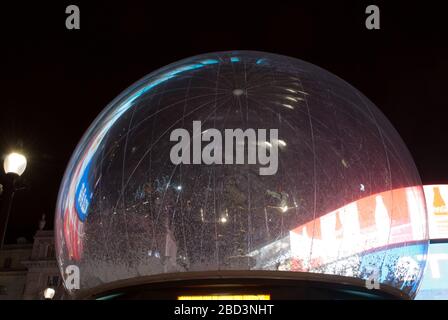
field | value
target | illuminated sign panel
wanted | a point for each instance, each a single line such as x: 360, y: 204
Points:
x: 83, y: 195
x: 437, y: 205
x: 228, y: 297
x: 384, y: 219
x: 380, y: 226
x: 435, y: 280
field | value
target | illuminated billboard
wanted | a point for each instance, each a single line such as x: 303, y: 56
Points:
x: 435, y: 280
x: 362, y: 230
x: 385, y: 219
x: 436, y: 203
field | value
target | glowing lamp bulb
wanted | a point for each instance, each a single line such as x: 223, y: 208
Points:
x: 49, y: 293
x: 15, y: 163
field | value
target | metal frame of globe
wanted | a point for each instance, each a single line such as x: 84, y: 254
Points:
x: 299, y: 285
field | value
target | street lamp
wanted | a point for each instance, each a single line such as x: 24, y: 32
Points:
x: 14, y: 163
x: 49, y: 293
x: 14, y: 166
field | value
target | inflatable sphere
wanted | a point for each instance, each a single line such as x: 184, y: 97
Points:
x: 241, y: 161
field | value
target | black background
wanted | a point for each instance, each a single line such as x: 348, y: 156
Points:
x: 304, y: 310
x: 54, y: 81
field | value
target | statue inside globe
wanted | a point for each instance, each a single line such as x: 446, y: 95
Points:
x: 246, y: 164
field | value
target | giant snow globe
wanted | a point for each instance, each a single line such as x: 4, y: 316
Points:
x: 241, y: 162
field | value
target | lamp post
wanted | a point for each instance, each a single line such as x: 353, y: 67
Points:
x: 49, y: 293
x: 14, y: 166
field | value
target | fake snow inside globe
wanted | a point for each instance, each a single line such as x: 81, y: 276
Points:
x: 242, y: 161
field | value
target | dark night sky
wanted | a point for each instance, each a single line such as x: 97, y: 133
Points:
x: 55, y: 81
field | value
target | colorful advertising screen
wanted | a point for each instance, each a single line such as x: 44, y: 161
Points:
x: 385, y: 219
x: 436, y: 203
x: 435, y: 280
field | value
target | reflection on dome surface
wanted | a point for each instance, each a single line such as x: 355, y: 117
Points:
x: 343, y: 196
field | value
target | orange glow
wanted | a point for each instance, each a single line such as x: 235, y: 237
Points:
x: 228, y: 297
x: 436, y: 203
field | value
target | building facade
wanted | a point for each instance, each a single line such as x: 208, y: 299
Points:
x: 26, y: 270
x: 12, y: 271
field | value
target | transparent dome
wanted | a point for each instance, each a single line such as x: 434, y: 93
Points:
x: 242, y: 161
